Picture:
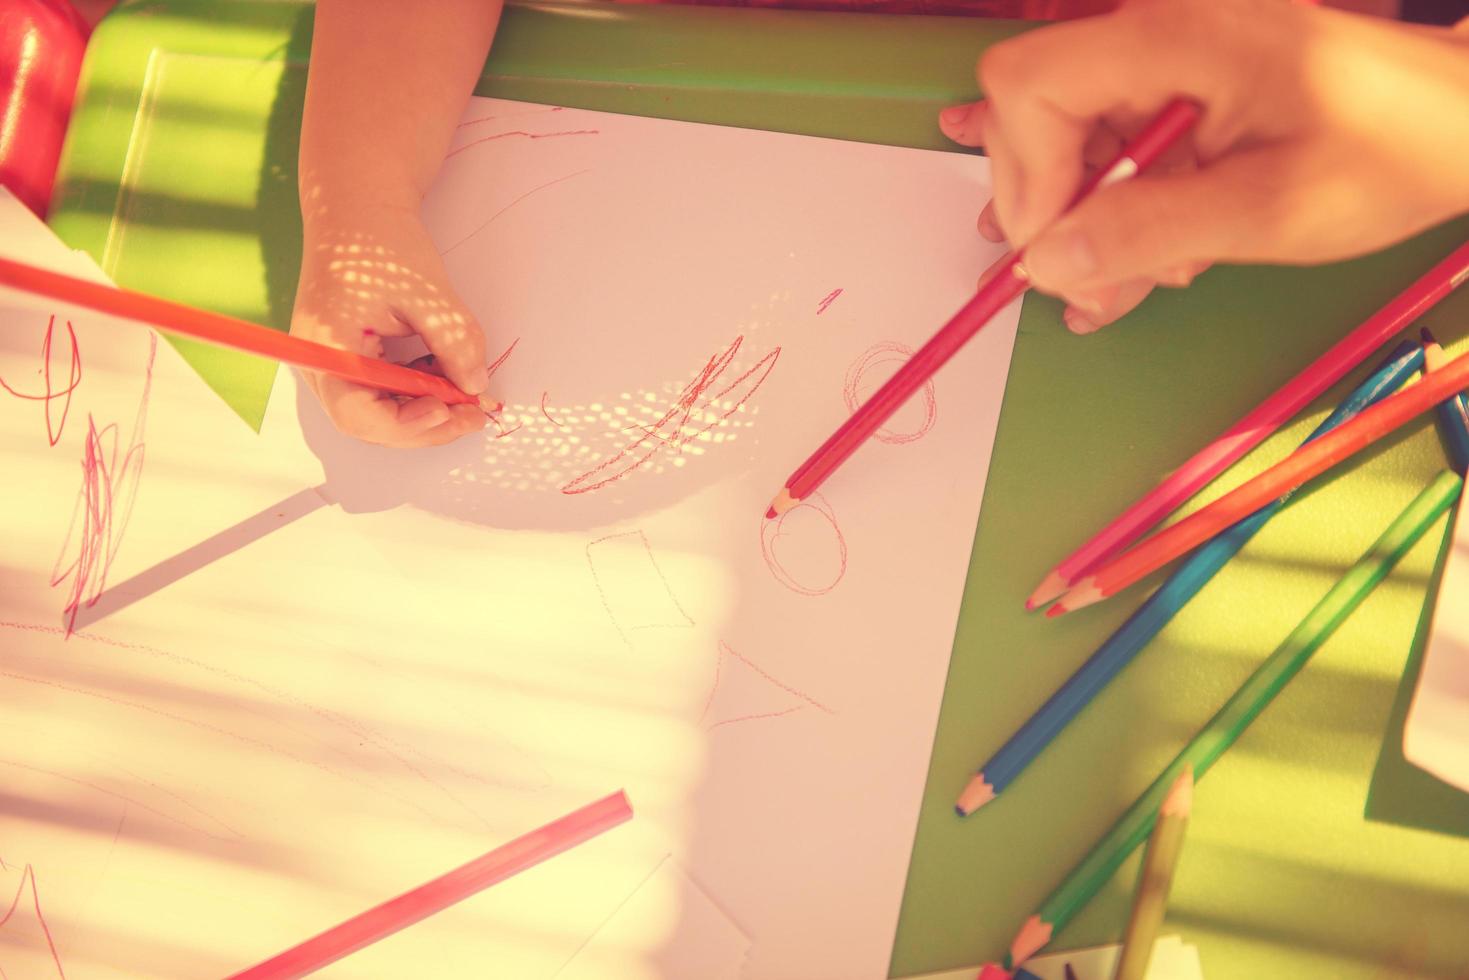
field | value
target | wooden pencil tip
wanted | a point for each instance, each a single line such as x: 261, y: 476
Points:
x: 1084, y: 594
x: 975, y: 795
x: 1052, y: 587
x: 783, y: 502
x: 1180, y: 799
x: 1028, y: 941
x: 1059, y: 609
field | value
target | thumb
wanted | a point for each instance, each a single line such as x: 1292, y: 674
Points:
x: 964, y: 124
x: 454, y: 337
x: 1142, y: 228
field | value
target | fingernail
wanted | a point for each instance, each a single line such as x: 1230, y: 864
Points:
x: 955, y: 115
x: 988, y: 227
x: 1078, y: 322
x: 1178, y: 275
x: 479, y: 382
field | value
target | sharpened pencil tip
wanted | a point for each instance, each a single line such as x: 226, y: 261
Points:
x: 1052, y: 587
x: 1059, y: 609
x: 1427, y: 336
x: 770, y: 514
x: 783, y: 502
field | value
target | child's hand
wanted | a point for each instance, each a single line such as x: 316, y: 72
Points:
x: 369, y: 272
x: 1325, y: 135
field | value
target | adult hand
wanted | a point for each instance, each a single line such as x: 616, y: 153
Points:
x: 1325, y: 135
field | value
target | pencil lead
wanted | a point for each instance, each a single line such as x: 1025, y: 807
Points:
x: 1427, y: 336
x: 976, y: 794
x: 1059, y: 609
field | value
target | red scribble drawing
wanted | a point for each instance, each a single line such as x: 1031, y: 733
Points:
x: 49, y: 394
x: 559, y: 425
x: 889, y: 352
x: 28, y: 877
x: 492, y: 218
x: 500, y: 425
x: 722, y: 677
x: 632, y: 587
x: 772, y: 530
x: 508, y: 115
x: 495, y: 364
x: 520, y: 132
x: 827, y: 300
x: 685, y: 421
x: 104, y: 504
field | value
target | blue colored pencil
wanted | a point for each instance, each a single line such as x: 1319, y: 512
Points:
x: 1453, y: 415
x: 1119, y: 649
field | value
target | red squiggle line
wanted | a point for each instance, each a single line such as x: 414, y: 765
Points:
x: 767, y: 714
x: 827, y: 301
x: 521, y: 132
x: 48, y: 392
x: 725, y: 648
x: 877, y: 354
x: 495, y: 364
x: 508, y: 115
x: 672, y: 429
x: 560, y: 425
x: 104, y: 503
x: 491, y: 219
x: 30, y: 873
x: 770, y: 531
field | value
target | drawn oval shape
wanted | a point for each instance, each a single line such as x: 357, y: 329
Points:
x: 868, y: 373
x: 804, y: 548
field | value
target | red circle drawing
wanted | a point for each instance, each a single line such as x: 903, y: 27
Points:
x: 770, y: 531
x: 884, y: 353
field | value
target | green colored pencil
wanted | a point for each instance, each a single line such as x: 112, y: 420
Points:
x: 1225, y: 727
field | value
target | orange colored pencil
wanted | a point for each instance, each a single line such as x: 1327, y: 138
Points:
x: 227, y: 331
x: 1307, y: 462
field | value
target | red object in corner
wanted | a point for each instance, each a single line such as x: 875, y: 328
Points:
x: 41, y: 47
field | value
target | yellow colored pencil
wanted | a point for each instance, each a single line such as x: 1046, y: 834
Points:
x: 1155, y: 880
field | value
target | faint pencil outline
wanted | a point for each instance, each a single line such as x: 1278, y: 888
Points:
x: 879, y: 353
x: 770, y: 532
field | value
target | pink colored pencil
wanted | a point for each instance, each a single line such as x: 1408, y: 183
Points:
x: 1251, y: 430
x: 1009, y: 281
x: 503, y: 862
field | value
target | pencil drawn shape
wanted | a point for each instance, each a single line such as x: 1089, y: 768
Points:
x: 802, y: 564
x: 632, y: 587
x: 20, y: 930
x: 55, y: 419
x: 522, y: 133
x: 827, y: 300
x: 494, y: 217
x: 703, y: 405
x: 742, y: 691
x: 110, y: 475
x: 556, y: 422
x: 881, y: 360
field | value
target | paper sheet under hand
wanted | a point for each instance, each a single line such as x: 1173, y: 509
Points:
x: 1436, y: 734
x: 296, y: 709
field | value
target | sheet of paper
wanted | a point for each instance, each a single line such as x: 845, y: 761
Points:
x: 1173, y: 959
x: 669, y: 913
x: 1436, y: 735
x: 471, y: 640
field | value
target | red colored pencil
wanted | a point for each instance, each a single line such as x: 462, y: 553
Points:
x: 435, y: 896
x: 1008, y: 282
x: 227, y: 331
x: 1251, y: 430
x: 1309, y: 461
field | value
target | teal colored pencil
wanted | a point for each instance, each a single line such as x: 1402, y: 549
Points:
x: 1242, y: 708
x: 1032, y: 738
x: 1453, y: 414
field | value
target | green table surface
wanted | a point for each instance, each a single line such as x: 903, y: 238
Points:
x: 1315, y: 850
